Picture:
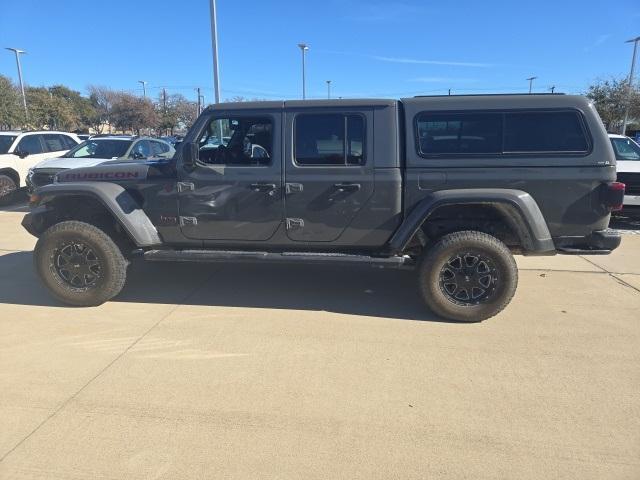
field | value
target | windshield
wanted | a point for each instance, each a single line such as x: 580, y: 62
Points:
x: 100, y: 149
x: 5, y: 143
x: 625, y: 149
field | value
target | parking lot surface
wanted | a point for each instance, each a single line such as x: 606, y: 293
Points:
x: 262, y: 371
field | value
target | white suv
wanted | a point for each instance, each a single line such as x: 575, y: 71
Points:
x: 19, y: 151
x: 628, y: 167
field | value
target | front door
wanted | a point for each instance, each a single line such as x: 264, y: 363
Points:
x: 234, y: 192
x: 328, y: 175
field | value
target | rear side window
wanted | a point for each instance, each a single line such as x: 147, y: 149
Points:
x: 68, y: 142
x: 498, y: 133
x: 544, y: 132
x: 329, y: 140
x: 53, y: 142
x: 461, y: 133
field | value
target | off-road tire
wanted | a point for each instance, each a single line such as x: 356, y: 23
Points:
x: 8, y: 190
x: 435, y: 269
x: 112, y: 265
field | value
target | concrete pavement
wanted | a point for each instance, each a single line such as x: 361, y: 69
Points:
x: 253, y: 371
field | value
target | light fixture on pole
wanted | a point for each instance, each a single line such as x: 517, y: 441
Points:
x: 303, y: 48
x: 530, y: 80
x: 17, y: 51
x: 214, y: 47
x: 328, y: 88
x: 144, y: 88
x: 630, y: 84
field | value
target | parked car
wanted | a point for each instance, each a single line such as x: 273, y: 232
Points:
x: 20, y: 151
x: 628, y: 167
x: 95, y: 151
x: 450, y: 186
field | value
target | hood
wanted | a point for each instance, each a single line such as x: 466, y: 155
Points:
x: 66, y: 162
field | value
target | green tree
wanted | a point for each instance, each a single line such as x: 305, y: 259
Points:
x: 11, y: 114
x: 610, y: 99
x: 81, y: 109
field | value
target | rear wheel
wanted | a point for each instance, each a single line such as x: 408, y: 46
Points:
x: 468, y: 276
x: 8, y: 189
x: 80, y: 264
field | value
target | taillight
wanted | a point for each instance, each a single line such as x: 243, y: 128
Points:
x: 614, y: 196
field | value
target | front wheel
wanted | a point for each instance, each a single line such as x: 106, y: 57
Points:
x: 80, y: 264
x: 467, y: 276
x: 8, y: 189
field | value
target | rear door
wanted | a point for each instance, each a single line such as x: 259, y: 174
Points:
x: 328, y: 175
x: 234, y: 192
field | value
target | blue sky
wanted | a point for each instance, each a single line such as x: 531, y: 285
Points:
x: 381, y: 48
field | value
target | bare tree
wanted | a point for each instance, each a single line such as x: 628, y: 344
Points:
x: 129, y: 112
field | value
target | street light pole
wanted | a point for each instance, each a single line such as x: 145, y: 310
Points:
x: 328, y: 89
x: 531, y: 79
x: 17, y: 51
x: 144, y: 88
x: 214, y: 47
x: 303, y: 48
x: 630, y: 84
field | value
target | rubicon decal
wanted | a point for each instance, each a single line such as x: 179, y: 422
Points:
x: 71, y: 176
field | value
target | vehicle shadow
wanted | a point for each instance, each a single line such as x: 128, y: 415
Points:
x: 363, y: 291
x: 16, y: 205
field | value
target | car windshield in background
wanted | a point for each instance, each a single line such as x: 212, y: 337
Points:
x: 100, y: 149
x: 625, y: 149
x: 5, y: 143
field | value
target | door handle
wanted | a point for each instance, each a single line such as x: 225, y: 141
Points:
x: 347, y: 187
x: 262, y: 187
x: 293, y: 187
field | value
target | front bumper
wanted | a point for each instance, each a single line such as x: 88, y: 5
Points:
x: 601, y: 242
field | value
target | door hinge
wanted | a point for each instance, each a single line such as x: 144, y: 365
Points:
x: 294, y: 223
x: 185, y: 187
x: 184, y: 221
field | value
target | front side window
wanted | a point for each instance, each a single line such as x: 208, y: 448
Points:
x: 159, y: 148
x: 141, y: 149
x: 5, y: 143
x: 459, y: 133
x: 544, y: 132
x: 30, y: 144
x: 329, y: 140
x: 625, y: 149
x: 242, y: 141
x: 108, y: 149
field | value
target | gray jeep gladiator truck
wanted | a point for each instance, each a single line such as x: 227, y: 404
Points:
x: 451, y: 186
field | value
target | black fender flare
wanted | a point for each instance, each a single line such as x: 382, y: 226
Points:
x: 112, y: 196
x: 518, y: 208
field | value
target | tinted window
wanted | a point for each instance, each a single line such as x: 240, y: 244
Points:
x: 141, y: 149
x: 237, y: 141
x: 30, y: 144
x: 53, y: 143
x: 5, y: 143
x: 158, y: 148
x: 544, y: 132
x: 97, y: 148
x: 625, y: 149
x: 68, y: 142
x: 459, y: 133
x: 320, y: 139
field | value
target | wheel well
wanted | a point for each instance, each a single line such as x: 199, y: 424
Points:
x: 90, y: 210
x: 10, y: 172
x: 487, y: 218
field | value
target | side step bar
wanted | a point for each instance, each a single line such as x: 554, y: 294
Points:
x: 284, y: 257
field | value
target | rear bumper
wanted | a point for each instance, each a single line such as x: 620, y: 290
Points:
x: 601, y: 242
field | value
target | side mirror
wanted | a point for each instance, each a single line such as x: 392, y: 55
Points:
x: 21, y: 153
x: 189, y: 154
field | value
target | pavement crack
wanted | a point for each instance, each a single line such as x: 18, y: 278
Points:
x: 105, y: 368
